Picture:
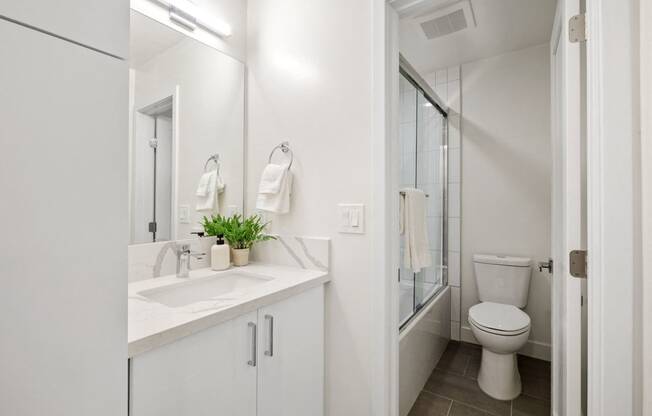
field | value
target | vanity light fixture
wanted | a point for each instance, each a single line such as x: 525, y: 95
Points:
x: 186, y: 14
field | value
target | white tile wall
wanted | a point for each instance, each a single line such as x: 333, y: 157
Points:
x: 447, y: 85
x: 454, y: 269
x: 455, y: 303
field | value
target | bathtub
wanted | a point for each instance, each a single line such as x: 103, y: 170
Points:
x: 422, y: 341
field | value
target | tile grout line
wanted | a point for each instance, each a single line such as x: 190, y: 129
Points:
x: 465, y: 404
x: 450, y: 407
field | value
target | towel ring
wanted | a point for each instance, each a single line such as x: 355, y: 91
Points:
x: 285, y: 148
x: 214, y: 158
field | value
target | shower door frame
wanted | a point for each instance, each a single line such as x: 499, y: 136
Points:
x: 406, y: 70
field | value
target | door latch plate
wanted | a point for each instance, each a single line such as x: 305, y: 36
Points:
x: 577, y: 263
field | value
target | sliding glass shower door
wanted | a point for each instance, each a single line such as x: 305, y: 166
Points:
x: 423, y: 165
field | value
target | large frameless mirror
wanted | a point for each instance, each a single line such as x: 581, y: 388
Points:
x: 186, y: 134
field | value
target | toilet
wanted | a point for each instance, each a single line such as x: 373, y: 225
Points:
x: 498, y: 323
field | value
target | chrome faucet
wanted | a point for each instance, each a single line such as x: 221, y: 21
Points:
x: 183, y: 259
x: 183, y: 254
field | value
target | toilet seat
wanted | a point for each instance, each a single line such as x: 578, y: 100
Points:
x: 499, y: 319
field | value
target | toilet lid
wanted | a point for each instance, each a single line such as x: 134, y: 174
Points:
x: 498, y: 316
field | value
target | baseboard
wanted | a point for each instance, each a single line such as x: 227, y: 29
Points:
x: 534, y: 349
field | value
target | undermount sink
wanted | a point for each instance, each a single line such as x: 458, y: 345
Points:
x: 203, y: 289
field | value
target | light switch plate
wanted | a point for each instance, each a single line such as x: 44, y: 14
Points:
x: 351, y: 218
x: 184, y: 214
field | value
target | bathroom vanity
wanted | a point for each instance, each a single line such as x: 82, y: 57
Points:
x: 242, y: 342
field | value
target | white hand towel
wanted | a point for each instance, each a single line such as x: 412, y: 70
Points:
x: 414, y: 229
x: 208, y: 202
x: 272, y: 179
x: 204, y: 183
x: 279, y: 202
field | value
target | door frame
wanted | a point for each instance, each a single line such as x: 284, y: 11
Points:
x: 566, y: 134
x: 613, y: 172
x: 646, y: 213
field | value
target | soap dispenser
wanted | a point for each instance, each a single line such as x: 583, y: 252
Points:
x: 220, y: 255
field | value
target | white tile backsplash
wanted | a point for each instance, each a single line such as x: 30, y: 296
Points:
x: 142, y: 258
x: 296, y: 251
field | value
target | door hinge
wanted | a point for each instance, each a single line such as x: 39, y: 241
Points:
x: 577, y: 263
x: 577, y: 28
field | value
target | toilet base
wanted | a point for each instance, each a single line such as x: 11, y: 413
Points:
x: 499, y: 376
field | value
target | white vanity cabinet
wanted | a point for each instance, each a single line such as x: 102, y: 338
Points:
x: 268, y: 362
x: 291, y: 363
x: 207, y: 373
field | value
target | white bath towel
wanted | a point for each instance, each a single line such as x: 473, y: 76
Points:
x: 213, y: 187
x: 205, y: 183
x: 276, y: 202
x: 272, y: 179
x: 413, y: 227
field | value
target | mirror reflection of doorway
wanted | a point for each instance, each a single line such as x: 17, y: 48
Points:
x: 152, y: 219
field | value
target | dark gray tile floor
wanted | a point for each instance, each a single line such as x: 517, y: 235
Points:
x: 452, y: 389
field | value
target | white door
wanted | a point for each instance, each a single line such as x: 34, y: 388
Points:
x: 567, y: 213
x: 63, y: 193
x: 291, y: 356
x: 210, y: 373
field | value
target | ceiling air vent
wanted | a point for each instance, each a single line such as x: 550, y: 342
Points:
x: 447, y: 20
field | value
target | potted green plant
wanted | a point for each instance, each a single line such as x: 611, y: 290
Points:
x: 241, y: 233
x: 220, y: 253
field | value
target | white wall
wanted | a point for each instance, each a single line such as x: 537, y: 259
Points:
x: 310, y: 82
x: 233, y: 12
x: 506, y: 173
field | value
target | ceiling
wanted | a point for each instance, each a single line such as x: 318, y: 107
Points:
x: 502, y: 26
x: 148, y: 38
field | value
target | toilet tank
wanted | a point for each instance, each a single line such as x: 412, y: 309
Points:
x: 502, y: 279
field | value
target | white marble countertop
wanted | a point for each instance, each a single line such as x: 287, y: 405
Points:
x: 152, y: 324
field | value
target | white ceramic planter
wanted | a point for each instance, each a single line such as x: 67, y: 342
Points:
x: 240, y: 257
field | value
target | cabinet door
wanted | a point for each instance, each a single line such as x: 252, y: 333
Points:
x: 208, y: 373
x: 100, y: 24
x: 291, y: 356
x: 63, y: 187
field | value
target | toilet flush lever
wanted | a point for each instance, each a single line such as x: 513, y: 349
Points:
x: 546, y: 265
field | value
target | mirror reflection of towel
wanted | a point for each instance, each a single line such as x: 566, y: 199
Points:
x: 210, y: 185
